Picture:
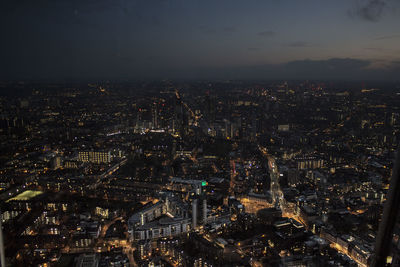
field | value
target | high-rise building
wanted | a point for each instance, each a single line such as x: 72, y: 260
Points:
x: 56, y: 163
x: 154, y: 113
x: 194, y: 213
x: 88, y: 260
x: 2, y: 256
x: 94, y: 156
x: 204, y: 211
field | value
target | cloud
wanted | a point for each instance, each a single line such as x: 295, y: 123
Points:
x: 326, y: 68
x: 349, y: 69
x: 253, y: 48
x: 374, y: 48
x: 207, y: 30
x: 369, y: 10
x: 298, y: 44
x: 230, y: 29
x: 344, y: 69
x: 267, y: 33
x: 387, y: 37
x: 341, y: 69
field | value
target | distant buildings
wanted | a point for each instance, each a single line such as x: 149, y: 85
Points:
x: 88, y: 260
x: 309, y: 163
x: 56, y: 163
x: 167, y: 217
x: 96, y: 157
x: 177, y: 174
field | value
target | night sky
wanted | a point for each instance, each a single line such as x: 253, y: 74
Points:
x: 200, y: 39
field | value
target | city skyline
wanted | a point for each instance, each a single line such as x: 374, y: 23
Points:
x: 155, y: 174
x: 205, y: 133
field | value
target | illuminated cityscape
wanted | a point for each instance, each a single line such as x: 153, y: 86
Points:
x: 291, y: 173
x: 200, y: 133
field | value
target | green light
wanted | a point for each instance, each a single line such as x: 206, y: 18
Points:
x: 203, y: 183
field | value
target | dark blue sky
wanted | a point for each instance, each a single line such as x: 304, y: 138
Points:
x: 136, y: 39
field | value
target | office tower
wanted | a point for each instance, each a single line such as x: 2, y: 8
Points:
x: 204, y: 211
x: 194, y: 213
x: 56, y: 163
x: 94, y: 156
x: 2, y: 256
x: 154, y: 113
